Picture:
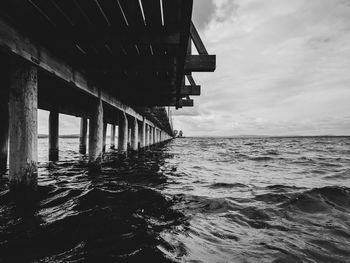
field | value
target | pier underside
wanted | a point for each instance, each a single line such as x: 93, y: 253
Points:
x: 117, y: 62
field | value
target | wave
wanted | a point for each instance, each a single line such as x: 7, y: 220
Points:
x: 320, y: 200
x: 227, y: 185
x: 261, y: 158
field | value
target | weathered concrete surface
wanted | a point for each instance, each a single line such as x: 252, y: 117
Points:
x: 104, y: 136
x: 4, y: 114
x: 123, y: 134
x: 83, y: 135
x: 112, y: 136
x: 146, y: 137
x: 53, y: 136
x: 134, y: 135
x: 96, y: 136
x: 23, y: 126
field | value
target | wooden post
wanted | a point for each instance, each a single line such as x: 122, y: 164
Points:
x: 53, y: 136
x: 123, y: 134
x: 4, y: 114
x: 83, y: 136
x: 134, y: 135
x: 23, y: 107
x: 104, y: 136
x: 96, y: 136
x: 112, y: 136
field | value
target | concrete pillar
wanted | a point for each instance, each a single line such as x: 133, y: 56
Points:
x: 23, y: 107
x: 123, y: 134
x: 4, y: 115
x: 140, y: 135
x: 149, y: 136
x: 154, y: 135
x: 146, y: 136
x: 104, y: 136
x: 53, y: 136
x: 143, y: 134
x: 96, y: 136
x: 129, y: 138
x: 112, y: 136
x: 83, y: 135
x: 134, y: 135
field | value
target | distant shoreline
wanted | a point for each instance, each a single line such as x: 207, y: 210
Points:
x: 76, y: 136
x: 267, y: 136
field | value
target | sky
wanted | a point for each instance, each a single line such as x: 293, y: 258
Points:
x: 283, y: 68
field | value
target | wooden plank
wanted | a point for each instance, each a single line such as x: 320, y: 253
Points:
x: 198, y: 41
x: 200, y: 63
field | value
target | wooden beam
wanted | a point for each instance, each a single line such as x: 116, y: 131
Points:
x: 197, y: 41
x: 14, y: 43
x: 191, y: 80
x: 187, y: 6
x: 200, y: 63
x: 111, y: 38
x: 186, y: 103
x: 189, y: 90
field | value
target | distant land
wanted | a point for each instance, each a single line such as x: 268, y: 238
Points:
x: 267, y: 136
x: 65, y: 136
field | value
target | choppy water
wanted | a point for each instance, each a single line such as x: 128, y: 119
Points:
x: 191, y: 200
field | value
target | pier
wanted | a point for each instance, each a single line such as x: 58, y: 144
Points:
x: 116, y: 64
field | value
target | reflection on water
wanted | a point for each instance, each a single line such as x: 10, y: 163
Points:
x: 193, y: 199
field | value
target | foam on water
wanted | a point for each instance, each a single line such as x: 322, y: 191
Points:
x: 193, y: 199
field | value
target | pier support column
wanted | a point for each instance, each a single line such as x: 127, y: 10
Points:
x: 104, y: 136
x: 96, y: 136
x: 23, y: 107
x: 53, y: 136
x: 129, y: 138
x: 123, y: 134
x: 147, y: 137
x: 134, y: 135
x: 4, y: 115
x: 143, y: 134
x: 112, y: 136
x: 83, y: 136
x: 150, y: 136
x: 154, y: 135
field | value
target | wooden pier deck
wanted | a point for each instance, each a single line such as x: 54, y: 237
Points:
x: 107, y: 61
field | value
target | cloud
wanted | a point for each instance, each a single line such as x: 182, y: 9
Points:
x: 282, y: 62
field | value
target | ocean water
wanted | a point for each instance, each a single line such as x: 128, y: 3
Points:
x: 189, y: 200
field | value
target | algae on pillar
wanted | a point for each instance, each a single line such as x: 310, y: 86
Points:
x: 134, y: 135
x: 53, y: 135
x: 123, y: 134
x: 112, y: 136
x: 23, y: 107
x: 96, y: 136
x: 83, y: 136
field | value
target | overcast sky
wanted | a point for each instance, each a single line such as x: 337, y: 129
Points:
x: 283, y: 68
